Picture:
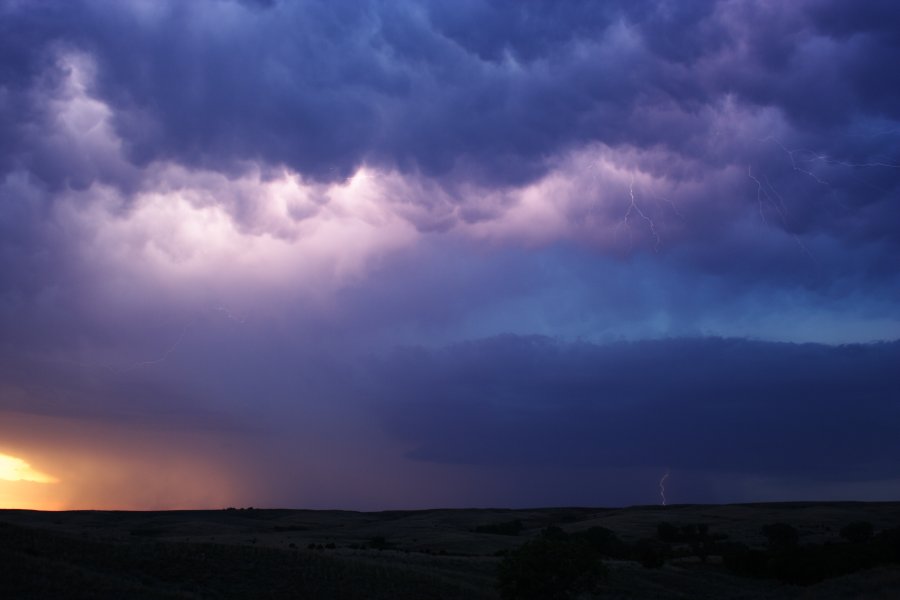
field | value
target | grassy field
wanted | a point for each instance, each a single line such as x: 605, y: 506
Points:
x: 253, y: 553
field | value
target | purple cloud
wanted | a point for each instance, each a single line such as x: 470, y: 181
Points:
x: 606, y: 227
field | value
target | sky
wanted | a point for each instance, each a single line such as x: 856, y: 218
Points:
x: 404, y: 254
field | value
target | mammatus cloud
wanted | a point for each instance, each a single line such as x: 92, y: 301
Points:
x: 271, y: 222
x: 476, y: 103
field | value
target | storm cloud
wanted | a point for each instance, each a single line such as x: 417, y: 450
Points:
x: 318, y: 243
x: 727, y: 405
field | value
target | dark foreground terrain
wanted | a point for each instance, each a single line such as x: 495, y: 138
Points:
x: 792, y: 550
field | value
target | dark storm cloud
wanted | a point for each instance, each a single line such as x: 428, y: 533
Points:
x: 878, y: 17
x: 482, y: 91
x: 489, y: 88
x: 726, y: 405
x: 491, y: 93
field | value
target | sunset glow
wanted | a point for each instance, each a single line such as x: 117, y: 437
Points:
x: 22, y: 486
x: 16, y: 469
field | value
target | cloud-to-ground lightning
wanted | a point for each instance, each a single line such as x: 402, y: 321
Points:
x: 662, y: 488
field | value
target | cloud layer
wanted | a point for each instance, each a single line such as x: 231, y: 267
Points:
x: 761, y: 408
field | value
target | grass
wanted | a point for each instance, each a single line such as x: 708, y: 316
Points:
x: 46, y: 565
x: 449, y: 554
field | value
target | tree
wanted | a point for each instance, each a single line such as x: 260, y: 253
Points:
x: 549, y: 568
x: 781, y: 536
x: 667, y: 532
x: 650, y: 553
x: 858, y: 532
x: 604, y: 541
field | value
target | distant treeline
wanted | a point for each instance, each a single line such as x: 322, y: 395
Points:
x: 558, y: 565
x: 789, y: 561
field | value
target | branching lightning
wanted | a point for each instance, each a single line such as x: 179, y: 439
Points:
x: 768, y: 193
x: 805, y: 157
x: 792, y: 156
x: 803, y: 161
x: 672, y: 205
x: 634, y: 208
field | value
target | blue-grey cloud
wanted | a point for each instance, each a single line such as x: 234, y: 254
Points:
x: 718, y: 405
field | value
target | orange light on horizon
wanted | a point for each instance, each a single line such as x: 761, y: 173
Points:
x: 66, y: 463
x: 24, y: 487
x: 16, y: 469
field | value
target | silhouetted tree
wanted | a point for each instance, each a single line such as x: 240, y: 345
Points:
x: 691, y: 532
x: 888, y: 543
x: 701, y: 549
x: 379, y: 543
x: 781, y: 536
x: 650, y: 553
x: 858, y: 532
x: 667, y: 532
x: 514, y: 527
x: 604, y: 541
x: 550, y: 568
x: 553, y: 532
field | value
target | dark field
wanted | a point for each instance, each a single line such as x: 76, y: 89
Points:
x: 639, y: 552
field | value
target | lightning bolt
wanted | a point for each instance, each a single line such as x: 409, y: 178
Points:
x: 159, y: 359
x: 228, y: 314
x: 671, y: 204
x: 169, y: 350
x: 662, y: 488
x: 804, y: 161
x: 634, y: 208
x: 806, y: 156
x: 760, y: 192
x: 770, y: 194
x: 792, y: 156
